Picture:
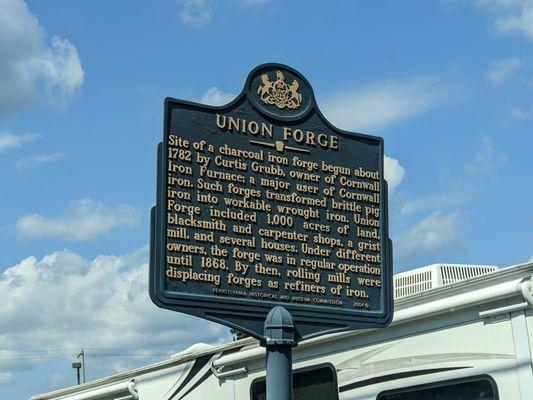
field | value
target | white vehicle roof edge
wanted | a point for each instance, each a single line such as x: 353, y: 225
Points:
x: 127, y: 376
x: 509, y: 285
x: 116, y: 388
x: 502, y: 290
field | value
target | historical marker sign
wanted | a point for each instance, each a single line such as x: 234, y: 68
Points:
x: 262, y: 202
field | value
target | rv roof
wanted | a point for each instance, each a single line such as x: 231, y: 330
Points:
x: 420, y: 301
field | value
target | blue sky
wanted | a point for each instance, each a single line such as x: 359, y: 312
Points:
x: 448, y: 84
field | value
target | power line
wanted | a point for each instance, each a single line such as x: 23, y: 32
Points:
x: 57, y: 356
x: 95, y: 352
x: 61, y: 349
x: 115, y: 325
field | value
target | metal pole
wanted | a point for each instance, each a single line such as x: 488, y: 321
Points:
x: 77, y: 365
x: 279, y: 340
x: 83, y: 364
x: 82, y: 354
x: 279, y: 373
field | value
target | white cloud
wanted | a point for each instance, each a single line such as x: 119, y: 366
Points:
x: 6, y: 377
x: 10, y: 140
x: 215, y: 97
x: 434, y: 235
x: 501, y: 70
x: 521, y: 113
x: 486, y: 159
x: 511, y: 16
x: 54, y: 306
x: 435, y: 201
x: 29, y: 162
x: 61, y: 67
x: 383, y: 103
x: 28, y: 63
x: 394, y: 173
x: 196, y: 13
x: 84, y: 219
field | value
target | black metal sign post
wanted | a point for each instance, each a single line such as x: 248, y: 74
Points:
x: 271, y: 220
x: 279, y: 338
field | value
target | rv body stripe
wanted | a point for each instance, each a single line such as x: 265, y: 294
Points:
x: 203, y: 378
x: 196, y: 368
x: 399, y: 375
x: 199, y: 363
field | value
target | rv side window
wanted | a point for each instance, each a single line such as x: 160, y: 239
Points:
x: 315, y: 383
x: 481, y: 388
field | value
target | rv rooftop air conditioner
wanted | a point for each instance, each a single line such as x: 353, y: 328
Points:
x: 436, y: 275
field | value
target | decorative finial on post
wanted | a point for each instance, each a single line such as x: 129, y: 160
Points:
x: 279, y: 327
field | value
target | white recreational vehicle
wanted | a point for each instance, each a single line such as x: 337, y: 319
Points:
x: 459, y: 332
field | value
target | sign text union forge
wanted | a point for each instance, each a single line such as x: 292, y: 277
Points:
x: 263, y: 203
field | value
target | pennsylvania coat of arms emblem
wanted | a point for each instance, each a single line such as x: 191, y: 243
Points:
x: 279, y: 93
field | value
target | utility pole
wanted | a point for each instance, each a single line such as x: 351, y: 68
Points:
x: 82, y: 355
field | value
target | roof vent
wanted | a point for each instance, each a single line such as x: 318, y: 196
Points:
x: 436, y: 275
x: 195, y: 348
